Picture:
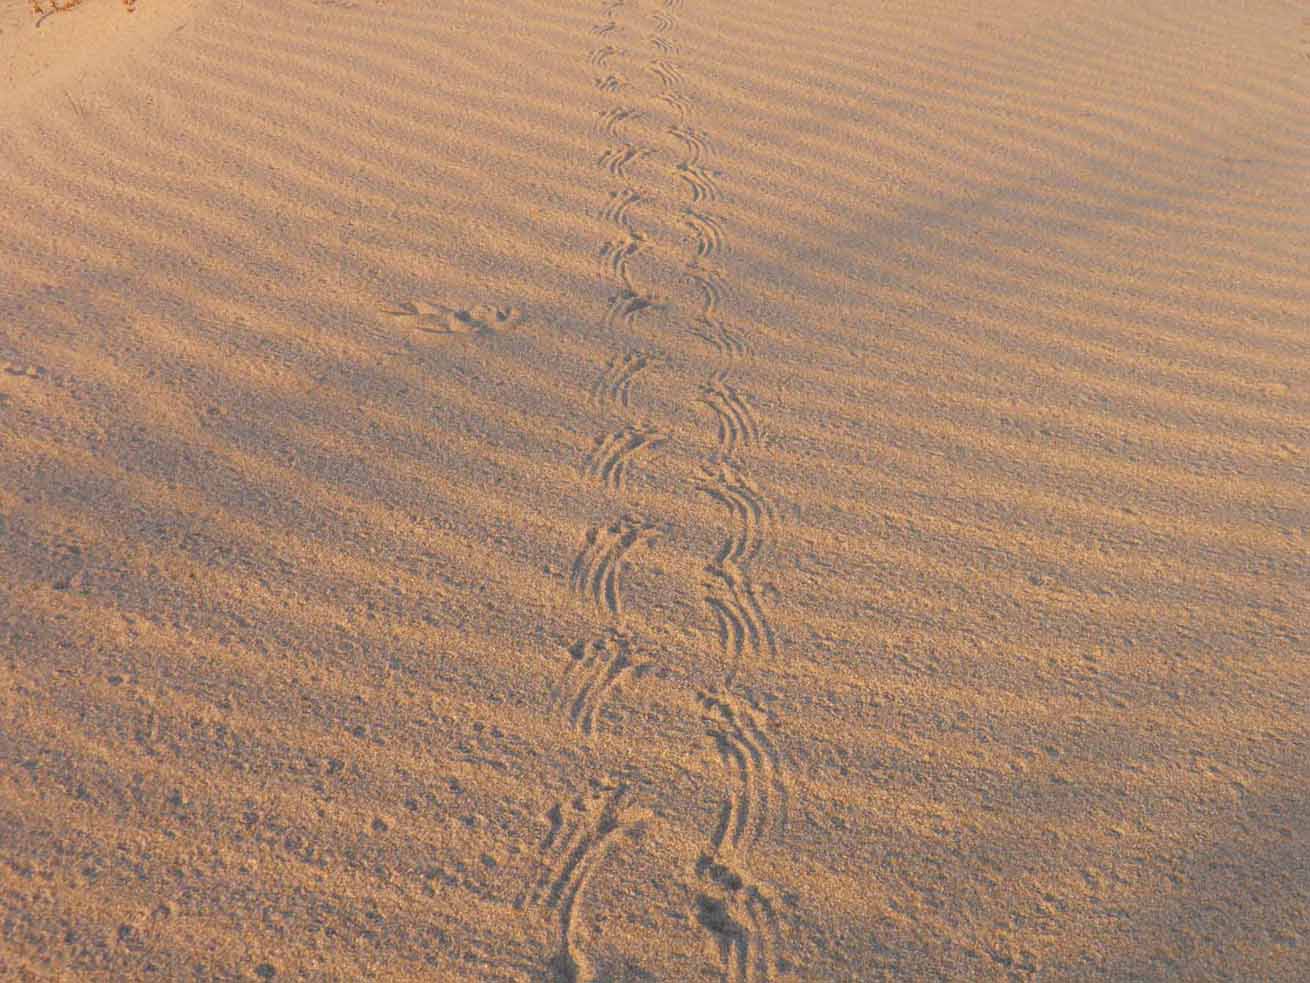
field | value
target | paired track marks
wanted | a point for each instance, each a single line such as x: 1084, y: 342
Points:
x: 596, y: 669
x: 740, y: 917
x: 617, y: 160
x: 609, y: 460
x: 707, y: 231
x: 753, y: 513
x: 617, y: 253
x: 737, y: 424
x: 598, y: 569
x: 759, y: 798
x: 742, y: 920
x: 615, y: 382
x: 617, y: 207
x: 582, y: 831
x: 744, y: 628
x: 611, y: 119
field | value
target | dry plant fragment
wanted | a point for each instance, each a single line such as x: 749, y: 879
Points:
x: 58, y: 6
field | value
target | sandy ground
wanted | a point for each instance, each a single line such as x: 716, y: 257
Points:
x: 678, y: 490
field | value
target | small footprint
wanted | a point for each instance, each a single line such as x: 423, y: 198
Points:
x: 582, y: 831
x: 596, y: 668
x: 609, y: 459
x: 440, y: 319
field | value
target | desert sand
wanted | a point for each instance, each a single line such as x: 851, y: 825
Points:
x: 675, y: 490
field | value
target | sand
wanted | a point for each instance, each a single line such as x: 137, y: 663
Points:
x: 678, y: 490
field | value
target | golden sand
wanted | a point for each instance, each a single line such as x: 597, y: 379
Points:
x: 678, y: 490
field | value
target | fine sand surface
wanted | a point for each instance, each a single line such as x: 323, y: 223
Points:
x: 675, y: 490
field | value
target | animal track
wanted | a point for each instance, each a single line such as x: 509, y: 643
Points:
x: 724, y: 341
x: 610, y: 83
x: 708, y: 231
x: 742, y: 920
x: 612, y: 118
x: 439, y: 319
x: 598, y: 570
x: 744, y: 629
x: 737, y: 424
x: 600, y: 56
x: 617, y: 207
x: 669, y: 75
x: 662, y: 44
x: 581, y: 832
x: 617, y: 160
x: 751, y: 510
x: 615, y: 255
x: 711, y: 287
x: 679, y: 103
x: 596, y: 668
x: 702, y: 183
x: 694, y: 142
x: 615, y: 382
x: 759, y: 800
x: 625, y: 306
x: 609, y: 460
x: 663, y: 22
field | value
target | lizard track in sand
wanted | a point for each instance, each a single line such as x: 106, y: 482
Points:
x: 615, y: 256
x: 609, y: 120
x: 753, y: 513
x: 707, y: 231
x: 597, y: 571
x: 745, y: 633
x: 582, y: 831
x: 610, y: 458
x: 737, y: 424
x: 615, y: 381
x: 743, y: 921
x: 617, y: 160
x: 596, y: 669
x: 759, y: 799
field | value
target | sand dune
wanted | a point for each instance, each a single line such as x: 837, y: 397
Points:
x: 655, y: 490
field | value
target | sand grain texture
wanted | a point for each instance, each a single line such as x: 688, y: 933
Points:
x: 664, y: 490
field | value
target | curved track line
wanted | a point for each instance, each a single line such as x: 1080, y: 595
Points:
x: 615, y: 381
x: 611, y: 119
x: 737, y: 424
x: 617, y: 206
x: 707, y: 231
x: 742, y: 919
x: 613, y: 452
x: 752, y: 511
x: 617, y: 160
x: 581, y: 833
x: 598, y: 569
x: 617, y: 253
x: 704, y: 186
x: 597, y: 666
x: 744, y: 628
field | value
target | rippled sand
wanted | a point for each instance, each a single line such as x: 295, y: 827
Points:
x: 678, y: 490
